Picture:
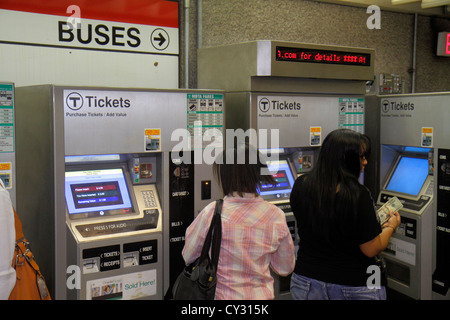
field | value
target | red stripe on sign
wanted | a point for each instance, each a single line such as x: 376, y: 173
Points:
x: 148, y: 12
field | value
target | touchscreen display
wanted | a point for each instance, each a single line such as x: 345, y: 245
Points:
x: 409, y: 175
x: 97, y: 192
x: 284, y: 180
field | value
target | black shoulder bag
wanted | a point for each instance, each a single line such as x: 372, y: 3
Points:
x: 198, y: 280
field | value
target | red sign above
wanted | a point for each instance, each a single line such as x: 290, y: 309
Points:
x: 147, y: 12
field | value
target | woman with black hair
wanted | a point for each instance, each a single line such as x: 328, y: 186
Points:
x: 255, y: 236
x: 340, y: 234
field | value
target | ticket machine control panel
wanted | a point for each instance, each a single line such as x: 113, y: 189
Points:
x: 114, y: 213
x: 148, y: 217
x: 113, y: 199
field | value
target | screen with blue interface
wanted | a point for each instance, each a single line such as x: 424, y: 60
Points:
x: 409, y: 175
x: 97, y: 192
x: 283, y: 177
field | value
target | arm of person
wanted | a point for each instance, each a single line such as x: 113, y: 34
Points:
x: 196, y: 234
x: 379, y: 243
x: 283, y: 260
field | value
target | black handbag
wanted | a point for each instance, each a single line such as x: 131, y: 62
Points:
x: 198, y: 280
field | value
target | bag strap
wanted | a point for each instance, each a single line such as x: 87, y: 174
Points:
x: 217, y: 236
x: 23, y: 252
x: 214, y: 236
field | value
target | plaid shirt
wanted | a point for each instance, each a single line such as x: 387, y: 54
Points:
x: 254, y: 236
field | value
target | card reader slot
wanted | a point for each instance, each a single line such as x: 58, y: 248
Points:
x: 149, y: 221
x: 417, y: 205
x: 410, y: 204
x: 285, y: 206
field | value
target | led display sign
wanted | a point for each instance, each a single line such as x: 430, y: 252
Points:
x: 322, y: 56
x: 443, y: 46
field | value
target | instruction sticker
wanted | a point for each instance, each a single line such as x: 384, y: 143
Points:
x: 6, y: 174
x: 204, y: 114
x: 403, y: 250
x: 153, y: 139
x: 315, y: 136
x: 123, y: 287
x: 6, y: 118
x: 427, y: 137
x: 351, y: 114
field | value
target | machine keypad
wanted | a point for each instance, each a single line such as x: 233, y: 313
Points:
x: 149, y: 198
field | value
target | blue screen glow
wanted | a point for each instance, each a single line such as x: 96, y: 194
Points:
x: 409, y: 175
x: 96, y: 191
x: 283, y: 177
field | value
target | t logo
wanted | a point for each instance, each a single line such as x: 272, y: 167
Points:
x: 74, y: 101
x: 264, y: 105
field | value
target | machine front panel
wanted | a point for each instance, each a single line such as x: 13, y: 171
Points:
x: 115, y: 219
x: 441, y: 276
x: 409, y: 177
x: 411, y: 131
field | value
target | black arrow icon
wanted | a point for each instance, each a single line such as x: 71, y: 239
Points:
x: 161, y: 39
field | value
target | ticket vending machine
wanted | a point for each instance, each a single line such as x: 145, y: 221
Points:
x: 413, y: 147
x: 292, y: 95
x: 7, y: 142
x: 105, y: 185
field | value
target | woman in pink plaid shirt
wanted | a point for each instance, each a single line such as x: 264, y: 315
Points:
x: 255, y: 236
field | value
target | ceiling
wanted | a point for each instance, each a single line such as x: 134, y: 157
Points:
x: 414, y: 6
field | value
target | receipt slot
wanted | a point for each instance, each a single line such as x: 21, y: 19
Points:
x: 412, y: 159
x: 292, y: 95
x: 104, y: 196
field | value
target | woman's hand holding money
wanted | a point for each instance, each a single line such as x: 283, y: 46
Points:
x: 393, y: 222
